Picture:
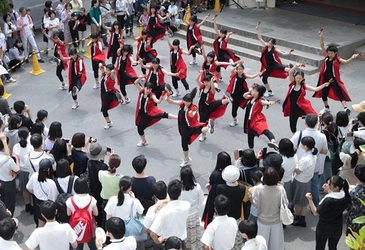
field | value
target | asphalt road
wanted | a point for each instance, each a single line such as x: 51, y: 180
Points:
x: 164, y: 150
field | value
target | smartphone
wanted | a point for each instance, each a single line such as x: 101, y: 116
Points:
x: 240, y: 152
x: 108, y: 149
x: 92, y: 139
x: 264, y: 152
x: 351, y: 134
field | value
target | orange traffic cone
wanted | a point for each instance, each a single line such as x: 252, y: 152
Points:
x: 188, y: 14
x: 88, y: 53
x: 36, y: 68
x: 5, y: 95
x: 217, y: 6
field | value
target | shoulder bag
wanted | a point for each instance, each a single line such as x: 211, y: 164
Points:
x: 134, y: 226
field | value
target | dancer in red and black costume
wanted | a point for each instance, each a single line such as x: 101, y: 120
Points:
x: 220, y: 46
x: 177, y: 64
x: 209, y: 107
x: 194, y: 37
x: 271, y: 62
x: 59, y: 52
x: 155, y: 29
x: 97, y: 56
x: 156, y: 76
x: 110, y: 96
x: 147, y: 112
x: 144, y: 49
x: 295, y: 104
x: 115, y: 41
x: 255, y: 121
x: 236, y: 88
x: 330, y: 69
x: 76, y: 75
x: 126, y: 74
x: 189, y: 126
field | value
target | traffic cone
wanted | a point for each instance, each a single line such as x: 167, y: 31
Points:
x: 36, y: 68
x: 88, y: 53
x: 217, y: 6
x: 188, y: 14
x: 5, y: 95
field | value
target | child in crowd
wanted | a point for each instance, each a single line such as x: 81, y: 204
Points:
x: 143, y: 19
x: 73, y: 23
x: 256, y: 176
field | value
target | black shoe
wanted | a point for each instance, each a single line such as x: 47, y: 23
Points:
x: 27, y: 60
x: 168, y: 87
x: 27, y: 207
x: 41, y: 60
x: 300, y: 222
x: 273, y: 145
x: 31, y: 210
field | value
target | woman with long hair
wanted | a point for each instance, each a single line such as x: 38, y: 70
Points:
x: 188, y: 123
x: 192, y: 192
x: 61, y: 150
x: 9, y: 30
x: 54, y: 133
x: 42, y: 116
x: 255, y: 121
x: 16, y: 55
x: 329, y: 210
x: 215, y: 178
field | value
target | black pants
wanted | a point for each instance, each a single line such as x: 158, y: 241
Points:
x: 205, y: 111
x: 185, y: 136
x: 145, y: 119
x: 324, y: 235
x: 147, y: 57
x: 121, y: 21
x: 95, y: 66
x: 75, y: 39
x: 270, y: 68
x: 123, y: 82
x: 8, y: 193
x: 76, y: 82
x: 237, y: 99
x: 158, y: 90
x: 251, y: 136
x: 295, y: 113
x: 337, y: 90
x: 59, y: 71
x: 14, y: 62
x: 175, y: 80
x: 107, y: 100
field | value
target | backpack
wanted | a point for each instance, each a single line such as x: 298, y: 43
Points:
x: 61, y: 199
x: 88, y: 18
x: 82, y: 222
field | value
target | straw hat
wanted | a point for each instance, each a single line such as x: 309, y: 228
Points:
x: 359, y: 107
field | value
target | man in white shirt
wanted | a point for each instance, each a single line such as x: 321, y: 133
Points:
x: 25, y: 26
x: 221, y: 232
x: 34, y: 157
x: 311, y: 122
x: 360, y: 133
x: 248, y: 230
x: 8, y: 171
x: 173, y: 9
x: 115, y: 228
x: 106, y: 11
x: 159, y: 190
x: 7, y: 230
x: 53, y: 235
x: 171, y: 221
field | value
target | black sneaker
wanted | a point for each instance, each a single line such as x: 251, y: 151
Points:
x: 228, y: 95
x: 168, y: 87
x: 211, y: 126
x: 273, y: 145
x: 41, y: 60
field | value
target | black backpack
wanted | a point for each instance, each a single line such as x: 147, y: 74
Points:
x: 62, y: 216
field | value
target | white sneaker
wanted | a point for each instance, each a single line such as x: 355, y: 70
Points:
x: 325, y: 110
x: 193, y: 63
x: 185, y: 162
x: 211, y: 126
x: 268, y: 94
x: 63, y: 87
x: 108, y: 125
x: 202, y: 137
x: 10, y: 80
x: 233, y: 123
x: 75, y: 106
x: 96, y: 86
x: 127, y: 100
x: 176, y: 94
x: 142, y: 143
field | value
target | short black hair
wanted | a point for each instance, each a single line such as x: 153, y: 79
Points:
x: 271, y: 177
x: 19, y: 106
x: 361, y: 117
x: 256, y: 175
x: 342, y: 119
x: 311, y: 120
x: 173, y: 242
x: 41, y: 114
x: 286, y: 148
x: 37, y: 128
x: 139, y: 163
x: 7, y: 228
x: 14, y: 122
x: 49, y: 209
x: 360, y: 172
x: 36, y: 140
x: 249, y: 228
x: 159, y: 190
x: 116, y: 227
x: 174, y: 189
x: 11, y: 5
x: 78, y: 140
x: 222, y: 204
x: 63, y: 168
x: 332, y: 48
x: 80, y: 186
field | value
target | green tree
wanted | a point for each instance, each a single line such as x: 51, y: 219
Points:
x: 4, y: 6
x: 355, y: 240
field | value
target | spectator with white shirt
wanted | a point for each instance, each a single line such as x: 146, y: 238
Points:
x: 25, y: 26
x: 159, y: 190
x: 9, y: 30
x: 7, y: 231
x: 121, y: 12
x: 106, y: 11
x: 173, y: 9
x: 311, y: 122
x: 171, y: 221
x: 248, y: 230
x: 360, y: 132
x: 221, y: 232
x: 53, y: 235
x: 53, y: 25
x: 42, y: 187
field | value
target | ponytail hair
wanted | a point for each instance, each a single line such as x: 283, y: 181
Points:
x: 23, y: 134
x: 309, y: 142
x: 327, y: 119
x: 339, y: 182
x: 124, y: 184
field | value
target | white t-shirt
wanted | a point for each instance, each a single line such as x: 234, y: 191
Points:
x: 35, y: 157
x: 46, y: 190
x: 21, y: 153
x: 124, y: 210
x: 307, y: 165
x: 360, y: 133
x: 171, y: 221
x: 220, y: 233
x: 173, y: 9
x: 126, y: 243
x: 195, y: 197
x: 50, y: 22
x: 2, y: 41
x: 53, y: 236
x: 321, y: 143
x: 289, y: 165
x: 257, y: 243
x: 81, y: 201
x: 6, y: 164
x: 63, y: 182
x: 9, y: 245
x: 150, y: 216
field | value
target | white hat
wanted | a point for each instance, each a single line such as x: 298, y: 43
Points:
x: 231, y: 173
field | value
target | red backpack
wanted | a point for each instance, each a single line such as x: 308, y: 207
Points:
x: 82, y: 222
